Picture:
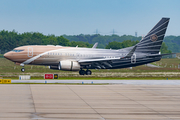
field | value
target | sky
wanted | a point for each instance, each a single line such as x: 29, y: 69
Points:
x: 74, y: 17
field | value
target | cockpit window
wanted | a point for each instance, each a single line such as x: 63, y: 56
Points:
x: 17, y: 50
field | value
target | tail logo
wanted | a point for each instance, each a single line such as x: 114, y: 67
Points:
x: 154, y: 37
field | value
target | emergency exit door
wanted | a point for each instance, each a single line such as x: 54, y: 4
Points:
x: 30, y: 52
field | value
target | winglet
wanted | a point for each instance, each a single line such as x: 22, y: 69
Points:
x: 131, y: 52
x: 95, y: 45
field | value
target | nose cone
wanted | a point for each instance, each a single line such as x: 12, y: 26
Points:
x: 7, y: 55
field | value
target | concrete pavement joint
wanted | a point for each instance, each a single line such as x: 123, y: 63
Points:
x: 86, y: 103
x: 34, y: 115
x: 157, y: 93
x: 80, y: 102
x: 137, y: 102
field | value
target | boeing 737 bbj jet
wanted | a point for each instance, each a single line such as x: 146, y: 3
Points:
x: 78, y: 59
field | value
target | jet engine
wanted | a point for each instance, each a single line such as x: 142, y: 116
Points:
x: 67, y: 65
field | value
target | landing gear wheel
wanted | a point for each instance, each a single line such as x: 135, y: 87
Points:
x: 88, y: 72
x: 23, y: 69
x: 81, y: 72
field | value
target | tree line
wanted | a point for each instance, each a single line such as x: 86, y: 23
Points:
x: 129, y: 43
x: 11, y: 39
x: 171, y: 42
x: 103, y: 40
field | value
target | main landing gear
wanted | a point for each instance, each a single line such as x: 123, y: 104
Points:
x: 83, y: 72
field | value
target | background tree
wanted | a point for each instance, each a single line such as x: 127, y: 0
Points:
x: 119, y: 45
x: 11, y: 39
x: 129, y: 43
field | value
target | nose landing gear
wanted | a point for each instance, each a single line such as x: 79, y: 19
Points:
x: 22, y: 69
x: 83, y: 72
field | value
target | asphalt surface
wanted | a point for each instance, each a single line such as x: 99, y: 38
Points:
x: 89, y: 102
x: 131, y: 82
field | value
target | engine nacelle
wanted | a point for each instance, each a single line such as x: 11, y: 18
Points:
x: 67, y: 65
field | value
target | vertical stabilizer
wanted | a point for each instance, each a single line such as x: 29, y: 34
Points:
x: 152, y: 42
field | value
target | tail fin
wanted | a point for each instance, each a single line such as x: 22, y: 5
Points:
x: 152, y: 42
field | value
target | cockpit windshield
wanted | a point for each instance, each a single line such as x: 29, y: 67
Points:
x: 17, y: 50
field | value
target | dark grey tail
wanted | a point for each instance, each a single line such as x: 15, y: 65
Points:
x: 152, y: 42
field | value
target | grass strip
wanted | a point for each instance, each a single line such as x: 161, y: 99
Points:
x: 104, y: 78
x: 67, y: 83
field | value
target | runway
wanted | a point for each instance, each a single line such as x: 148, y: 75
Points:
x: 131, y: 82
x: 89, y: 102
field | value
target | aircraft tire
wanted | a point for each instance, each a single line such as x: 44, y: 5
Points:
x: 88, y: 72
x: 22, y: 69
x: 81, y: 72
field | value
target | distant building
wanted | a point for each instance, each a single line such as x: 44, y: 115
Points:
x: 135, y: 34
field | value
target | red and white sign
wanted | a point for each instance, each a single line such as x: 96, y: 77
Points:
x: 48, y: 76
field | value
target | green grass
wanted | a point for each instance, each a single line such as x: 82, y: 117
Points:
x: 1, y: 56
x: 9, y: 70
x: 105, y: 78
x: 169, y: 65
x: 66, y: 83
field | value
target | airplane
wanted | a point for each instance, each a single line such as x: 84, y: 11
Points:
x: 78, y: 58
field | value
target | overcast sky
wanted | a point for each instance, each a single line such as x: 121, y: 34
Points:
x: 73, y: 17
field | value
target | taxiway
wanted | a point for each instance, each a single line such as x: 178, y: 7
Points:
x: 91, y: 102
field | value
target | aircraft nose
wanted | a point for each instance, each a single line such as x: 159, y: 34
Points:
x: 7, y: 55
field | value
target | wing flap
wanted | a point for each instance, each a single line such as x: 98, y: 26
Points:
x: 98, y: 60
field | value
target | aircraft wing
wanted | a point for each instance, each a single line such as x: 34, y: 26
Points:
x: 104, y: 62
x: 98, y: 60
x: 99, y: 63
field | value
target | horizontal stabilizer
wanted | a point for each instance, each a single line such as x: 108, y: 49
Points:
x: 167, y: 54
x: 157, y: 55
x: 153, y: 66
